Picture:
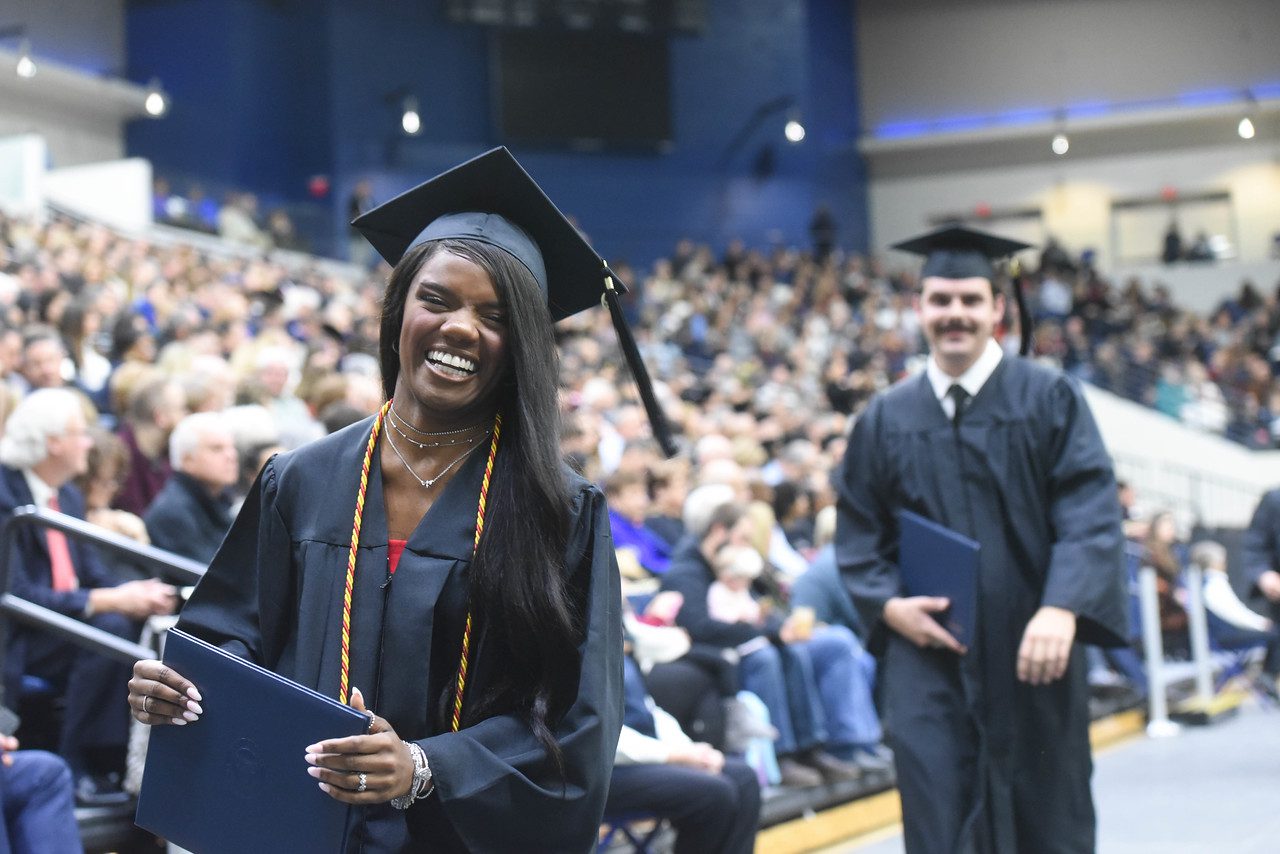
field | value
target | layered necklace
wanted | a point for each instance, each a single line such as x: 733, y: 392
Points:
x: 433, y: 440
x: 429, y: 482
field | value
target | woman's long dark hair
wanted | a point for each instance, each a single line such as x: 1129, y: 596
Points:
x: 519, y: 593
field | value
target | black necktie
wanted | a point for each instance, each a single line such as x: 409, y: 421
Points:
x: 960, y: 398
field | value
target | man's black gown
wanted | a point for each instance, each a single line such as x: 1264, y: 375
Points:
x: 274, y: 595
x: 985, y: 762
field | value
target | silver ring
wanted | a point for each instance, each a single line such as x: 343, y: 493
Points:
x: 364, y: 782
x: 146, y: 698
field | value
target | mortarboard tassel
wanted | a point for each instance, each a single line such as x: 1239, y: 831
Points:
x: 658, y: 421
x: 1024, y: 314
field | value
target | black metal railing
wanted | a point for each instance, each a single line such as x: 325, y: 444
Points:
x: 165, y: 564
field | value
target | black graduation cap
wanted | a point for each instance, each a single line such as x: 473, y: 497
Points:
x: 956, y: 252
x: 492, y: 199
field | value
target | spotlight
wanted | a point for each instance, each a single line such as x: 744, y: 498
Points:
x: 156, y: 103
x: 1245, y: 128
x: 411, y: 121
x: 26, y: 66
x: 794, y: 131
x: 1060, y: 144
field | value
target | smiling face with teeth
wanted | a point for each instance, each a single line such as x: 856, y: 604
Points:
x: 453, y: 345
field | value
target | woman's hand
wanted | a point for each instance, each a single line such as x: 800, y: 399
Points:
x: 160, y: 695
x: 379, y: 760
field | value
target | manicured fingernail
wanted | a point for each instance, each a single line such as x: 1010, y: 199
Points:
x: 178, y: 721
x: 195, y: 707
x: 324, y: 787
x: 191, y: 716
x: 194, y: 694
x: 312, y: 748
x: 311, y: 758
x: 314, y: 772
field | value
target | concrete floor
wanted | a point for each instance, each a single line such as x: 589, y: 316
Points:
x: 1208, y: 789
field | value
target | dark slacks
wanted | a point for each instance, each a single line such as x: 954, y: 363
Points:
x: 96, y: 720
x: 711, y: 813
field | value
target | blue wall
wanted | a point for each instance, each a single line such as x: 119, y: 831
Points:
x: 330, y: 106
x: 248, y: 86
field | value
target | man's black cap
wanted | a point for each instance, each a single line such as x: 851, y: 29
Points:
x: 956, y: 252
x: 492, y: 199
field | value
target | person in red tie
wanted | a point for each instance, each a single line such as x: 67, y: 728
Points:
x: 45, y: 445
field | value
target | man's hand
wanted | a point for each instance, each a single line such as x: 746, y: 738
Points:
x: 8, y: 744
x: 1269, y: 584
x: 699, y: 755
x: 1046, y: 646
x: 910, y: 617
x: 136, y: 600
x: 798, y: 626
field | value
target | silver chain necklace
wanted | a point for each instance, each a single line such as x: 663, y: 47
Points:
x: 402, y: 420
x: 427, y: 484
x: 412, y: 441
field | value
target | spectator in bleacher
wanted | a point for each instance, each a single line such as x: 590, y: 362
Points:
x: 628, y: 498
x: 1261, y: 560
x: 37, y: 802
x: 668, y: 486
x: 192, y: 513
x: 997, y: 756
x: 282, y: 234
x: 1232, y: 624
x: 712, y: 801
x: 1163, y: 552
x: 11, y: 358
x: 807, y: 678
x: 79, y: 328
x: 293, y: 418
x: 153, y: 410
x: 1171, y: 247
x: 822, y: 589
x: 42, y: 358
x: 99, y: 483
x: 45, y: 446
x: 237, y: 221
x: 793, y: 507
x: 360, y: 202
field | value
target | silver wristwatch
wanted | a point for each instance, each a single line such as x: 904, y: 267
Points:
x: 422, y: 781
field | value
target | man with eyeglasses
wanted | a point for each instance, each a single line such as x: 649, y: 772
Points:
x: 45, y: 445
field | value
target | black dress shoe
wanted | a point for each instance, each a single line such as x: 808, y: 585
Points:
x: 794, y: 774
x: 100, y: 790
x: 833, y: 770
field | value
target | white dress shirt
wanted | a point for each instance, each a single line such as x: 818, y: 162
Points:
x: 971, y: 380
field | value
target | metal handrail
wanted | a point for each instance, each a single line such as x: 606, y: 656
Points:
x: 179, y: 568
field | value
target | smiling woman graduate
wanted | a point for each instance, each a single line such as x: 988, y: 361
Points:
x: 439, y: 555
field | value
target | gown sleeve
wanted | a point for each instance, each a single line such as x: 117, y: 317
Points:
x: 1257, y: 551
x: 1086, y: 564
x: 866, y: 531
x: 493, y: 780
x: 236, y: 606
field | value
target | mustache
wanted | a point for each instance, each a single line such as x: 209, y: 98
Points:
x: 953, y: 326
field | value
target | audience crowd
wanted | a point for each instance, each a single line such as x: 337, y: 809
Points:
x: 191, y: 368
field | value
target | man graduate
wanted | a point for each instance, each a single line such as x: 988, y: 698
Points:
x: 991, y: 739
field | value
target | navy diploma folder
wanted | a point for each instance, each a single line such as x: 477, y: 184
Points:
x: 236, y: 780
x: 934, y: 560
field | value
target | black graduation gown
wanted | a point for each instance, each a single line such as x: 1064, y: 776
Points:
x: 985, y: 762
x: 274, y: 592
